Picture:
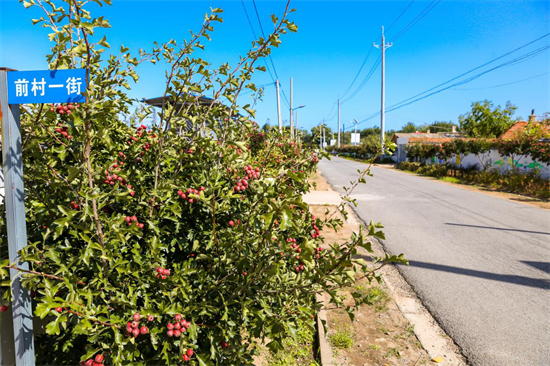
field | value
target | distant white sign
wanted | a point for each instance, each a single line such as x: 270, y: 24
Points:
x: 332, y: 142
x: 355, y: 138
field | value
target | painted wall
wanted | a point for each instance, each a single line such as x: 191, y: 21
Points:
x: 494, y: 161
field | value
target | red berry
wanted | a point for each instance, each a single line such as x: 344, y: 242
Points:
x: 160, y: 270
x: 3, y: 308
x: 90, y: 362
x: 177, y: 326
x: 225, y: 344
x: 170, y: 326
x: 150, y: 318
x: 59, y: 310
x: 190, y: 352
x: 185, y: 358
x: 135, y: 324
x: 134, y: 219
x: 144, y: 330
x: 231, y: 223
x: 177, y: 333
x: 98, y: 358
x: 178, y: 317
x: 135, y: 332
x: 170, y: 333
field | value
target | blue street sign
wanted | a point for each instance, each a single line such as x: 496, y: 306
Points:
x: 46, y: 86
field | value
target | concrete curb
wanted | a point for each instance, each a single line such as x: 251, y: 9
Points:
x: 325, y: 351
x: 432, y: 337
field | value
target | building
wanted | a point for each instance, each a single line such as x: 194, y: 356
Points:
x: 403, y: 139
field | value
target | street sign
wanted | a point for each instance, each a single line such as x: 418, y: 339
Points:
x: 25, y: 87
x: 46, y: 86
x: 355, y: 138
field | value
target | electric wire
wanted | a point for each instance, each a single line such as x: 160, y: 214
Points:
x: 500, y: 85
x: 418, y: 97
x: 417, y: 19
x: 269, y: 55
x: 255, y: 37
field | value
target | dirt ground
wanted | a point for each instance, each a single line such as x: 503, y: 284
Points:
x: 379, y: 335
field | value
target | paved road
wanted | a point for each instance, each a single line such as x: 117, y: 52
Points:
x: 480, y: 264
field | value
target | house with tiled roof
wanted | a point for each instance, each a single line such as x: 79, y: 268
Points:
x: 403, y: 139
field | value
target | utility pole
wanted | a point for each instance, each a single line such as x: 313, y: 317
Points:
x: 320, y: 137
x: 291, y: 112
x: 338, y: 123
x: 383, y: 45
x: 279, y: 108
x: 324, y: 134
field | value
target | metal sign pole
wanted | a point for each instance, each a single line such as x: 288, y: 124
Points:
x: 16, y: 226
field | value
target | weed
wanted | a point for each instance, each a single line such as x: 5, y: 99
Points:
x: 374, y: 347
x: 410, y: 329
x: 393, y: 352
x: 342, y: 339
x: 384, y: 330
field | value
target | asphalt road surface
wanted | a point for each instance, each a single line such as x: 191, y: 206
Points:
x: 479, y: 263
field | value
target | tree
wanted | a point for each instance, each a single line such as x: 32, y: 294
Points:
x: 409, y: 128
x: 486, y: 120
x: 157, y: 244
x: 442, y: 126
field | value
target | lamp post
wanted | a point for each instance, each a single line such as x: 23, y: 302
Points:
x: 296, y: 120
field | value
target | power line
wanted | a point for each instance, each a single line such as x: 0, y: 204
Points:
x: 515, y: 61
x: 508, y: 63
x: 255, y: 37
x: 400, y: 15
x: 365, y: 80
x: 418, y: 18
x: 269, y: 55
x: 498, y: 86
x: 478, y: 67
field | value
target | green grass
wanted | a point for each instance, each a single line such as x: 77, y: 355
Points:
x: 451, y: 180
x: 342, y: 339
x: 296, y: 352
x: 374, y: 347
x: 393, y: 352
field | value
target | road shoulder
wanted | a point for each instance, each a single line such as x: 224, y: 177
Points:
x: 404, y: 312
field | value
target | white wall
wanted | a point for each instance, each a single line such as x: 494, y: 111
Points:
x: 494, y: 161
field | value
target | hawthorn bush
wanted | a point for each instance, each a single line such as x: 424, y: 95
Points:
x: 182, y: 241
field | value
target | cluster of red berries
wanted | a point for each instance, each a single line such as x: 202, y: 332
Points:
x: 318, y: 250
x: 74, y: 205
x: 314, y: 231
x: 252, y: 173
x: 63, y: 109
x: 179, y: 326
x: 96, y: 361
x: 187, y: 355
x: 163, y: 273
x: 111, y: 179
x: 62, y: 129
x: 133, y: 327
x: 186, y: 195
x: 233, y: 223
x: 131, y: 219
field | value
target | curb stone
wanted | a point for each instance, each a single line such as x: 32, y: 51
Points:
x: 432, y: 337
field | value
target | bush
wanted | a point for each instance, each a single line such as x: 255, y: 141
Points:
x: 191, y: 229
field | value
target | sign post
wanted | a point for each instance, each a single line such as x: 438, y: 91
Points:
x: 25, y: 87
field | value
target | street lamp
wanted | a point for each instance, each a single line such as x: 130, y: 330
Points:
x: 296, y: 120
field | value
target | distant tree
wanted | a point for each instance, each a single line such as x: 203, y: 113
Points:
x: 486, y: 120
x: 374, y: 130
x: 442, y: 126
x: 409, y: 128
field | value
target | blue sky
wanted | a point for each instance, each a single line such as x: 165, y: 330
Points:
x: 332, y: 41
